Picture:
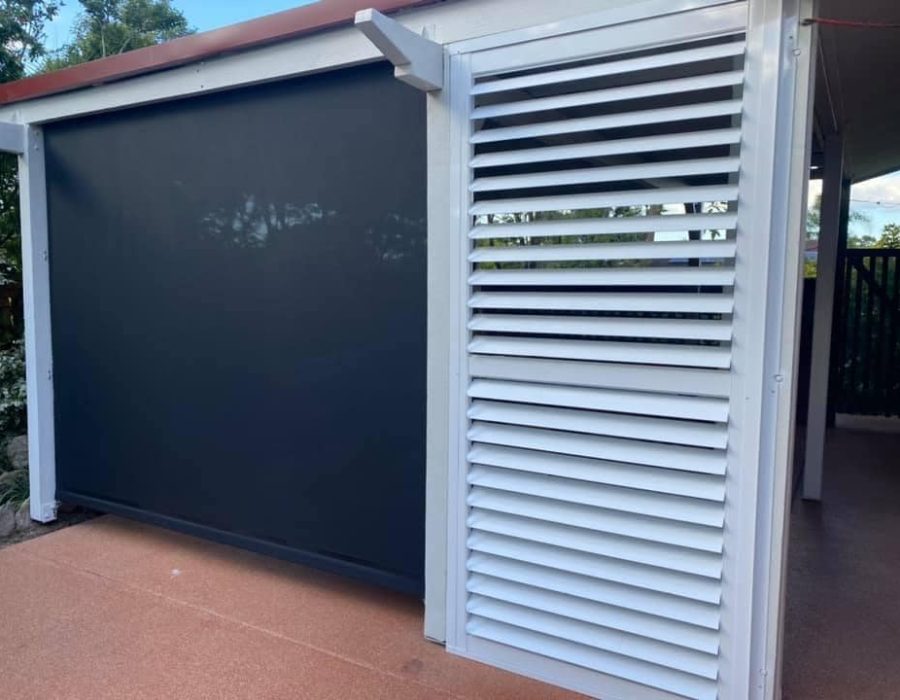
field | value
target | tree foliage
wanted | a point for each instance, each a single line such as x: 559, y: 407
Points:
x: 110, y: 27
x: 890, y: 236
x: 814, y: 218
x: 864, y: 241
x: 22, y: 24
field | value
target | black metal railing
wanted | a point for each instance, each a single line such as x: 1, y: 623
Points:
x: 867, y: 338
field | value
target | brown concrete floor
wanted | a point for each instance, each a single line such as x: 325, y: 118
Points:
x: 115, y: 609
x: 842, y: 624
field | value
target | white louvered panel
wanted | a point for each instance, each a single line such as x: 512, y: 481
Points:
x: 645, y: 378
x: 606, y: 277
x: 629, y: 198
x: 682, y: 355
x: 595, y: 97
x: 647, y: 144
x: 612, y: 173
x: 609, y: 226
x: 645, y: 250
x: 668, y: 656
x: 576, y: 607
x: 652, y: 454
x: 600, y: 267
x: 670, y: 58
x: 694, y: 613
x: 611, y: 664
x: 633, y: 550
x: 698, y: 408
x: 668, y: 581
x: 610, y: 301
x: 593, y: 518
x: 636, y: 427
x: 631, y: 476
x: 654, y: 504
x: 612, y: 121
x: 615, y: 326
x: 641, y: 377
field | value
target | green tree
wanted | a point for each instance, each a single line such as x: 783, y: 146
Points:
x: 890, y: 236
x: 864, y: 241
x: 109, y: 27
x: 814, y: 217
x: 22, y: 24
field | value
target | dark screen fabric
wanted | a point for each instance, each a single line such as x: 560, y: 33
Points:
x: 238, y: 303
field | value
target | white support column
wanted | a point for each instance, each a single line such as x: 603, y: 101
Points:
x: 437, y: 437
x: 829, y: 235
x: 38, y: 351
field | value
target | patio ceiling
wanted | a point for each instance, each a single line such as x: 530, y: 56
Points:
x: 860, y: 70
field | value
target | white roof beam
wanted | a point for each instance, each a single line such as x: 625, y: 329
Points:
x: 417, y: 60
x: 12, y: 138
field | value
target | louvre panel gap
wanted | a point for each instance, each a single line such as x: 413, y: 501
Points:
x: 602, y: 231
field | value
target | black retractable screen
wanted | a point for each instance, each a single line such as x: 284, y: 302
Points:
x: 238, y: 303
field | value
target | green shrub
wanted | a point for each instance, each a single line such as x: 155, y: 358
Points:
x: 14, y: 486
x: 12, y: 390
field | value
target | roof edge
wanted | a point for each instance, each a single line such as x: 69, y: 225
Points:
x: 253, y: 33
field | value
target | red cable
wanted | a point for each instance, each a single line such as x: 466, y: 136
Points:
x: 851, y: 23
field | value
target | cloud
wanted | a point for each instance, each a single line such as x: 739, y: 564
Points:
x: 885, y: 189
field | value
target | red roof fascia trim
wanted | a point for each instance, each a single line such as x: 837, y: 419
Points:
x: 237, y: 37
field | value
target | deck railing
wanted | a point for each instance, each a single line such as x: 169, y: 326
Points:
x: 866, y: 365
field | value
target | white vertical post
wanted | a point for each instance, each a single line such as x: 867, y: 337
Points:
x: 38, y: 352
x: 829, y: 235
x: 437, y: 436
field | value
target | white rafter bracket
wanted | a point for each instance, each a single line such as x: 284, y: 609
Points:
x: 417, y: 60
x: 12, y: 138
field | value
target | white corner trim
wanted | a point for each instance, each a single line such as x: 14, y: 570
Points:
x: 12, y: 138
x: 417, y: 61
x: 38, y: 351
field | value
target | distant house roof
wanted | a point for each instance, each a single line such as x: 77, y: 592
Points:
x: 237, y: 37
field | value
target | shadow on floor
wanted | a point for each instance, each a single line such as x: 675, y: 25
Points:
x: 842, y: 624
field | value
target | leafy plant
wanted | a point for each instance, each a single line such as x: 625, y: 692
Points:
x: 13, y: 419
x: 14, y: 486
x: 890, y: 236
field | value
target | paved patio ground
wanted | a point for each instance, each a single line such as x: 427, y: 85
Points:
x: 115, y: 609
x: 842, y: 626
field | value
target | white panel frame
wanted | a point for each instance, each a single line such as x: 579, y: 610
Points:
x: 793, y: 150
x: 496, y: 56
x: 778, y: 96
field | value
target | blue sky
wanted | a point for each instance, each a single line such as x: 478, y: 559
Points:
x: 201, y: 14
x: 877, y: 199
